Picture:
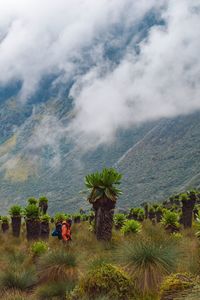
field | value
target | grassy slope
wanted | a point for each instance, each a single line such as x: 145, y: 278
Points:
x: 164, y: 162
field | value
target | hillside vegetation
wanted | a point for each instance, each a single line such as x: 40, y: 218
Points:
x: 152, y: 253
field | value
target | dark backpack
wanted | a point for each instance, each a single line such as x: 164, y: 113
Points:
x: 58, y: 231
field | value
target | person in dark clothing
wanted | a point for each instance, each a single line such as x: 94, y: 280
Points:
x: 58, y: 230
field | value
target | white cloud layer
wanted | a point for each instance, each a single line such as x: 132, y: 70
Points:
x: 39, y: 38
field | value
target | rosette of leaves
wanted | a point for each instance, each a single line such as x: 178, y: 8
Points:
x: 32, y: 200
x: 43, y: 204
x: 16, y: 213
x: 119, y: 220
x: 170, y: 220
x: 131, y: 226
x: 103, y: 184
x: 103, y: 193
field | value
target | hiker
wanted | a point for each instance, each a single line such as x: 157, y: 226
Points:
x: 58, y: 230
x: 66, y: 231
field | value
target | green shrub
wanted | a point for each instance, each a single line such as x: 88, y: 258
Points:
x: 15, y: 210
x: 32, y: 200
x: 16, y: 258
x: 54, y: 290
x: 119, y: 220
x: 131, y: 226
x: 45, y: 218
x: 38, y: 248
x: 177, y: 285
x: 18, y: 278
x: 5, y: 219
x: 159, y: 209
x: 31, y: 211
x: 141, y: 215
x: 170, y: 218
x: 135, y: 211
x: 107, y: 281
x: 84, y: 217
x: 43, y: 199
x: 76, y: 216
x: 184, y: 197
x: 152, y: 209
x: 59, y: 217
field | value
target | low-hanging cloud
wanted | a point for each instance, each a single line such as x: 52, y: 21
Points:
x: 157, y: 75
x: 163, y: 80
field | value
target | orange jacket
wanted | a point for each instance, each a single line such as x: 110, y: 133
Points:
x: 66, y: 232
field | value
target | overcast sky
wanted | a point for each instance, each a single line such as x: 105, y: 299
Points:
x: 157, y: 73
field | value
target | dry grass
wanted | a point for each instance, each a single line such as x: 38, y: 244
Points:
x: 84, y: 252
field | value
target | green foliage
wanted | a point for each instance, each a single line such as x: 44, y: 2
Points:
x: 15, y: 211
x: 152, y: 209
x: 45, y: 218
x: 16, y: 258
x: 135, y: 212
x: 141, y: 215
x: 31, y: 211
x: 119, y: 220
x: 59, y: 217
x: 43, y: 199
x: 184, y: 197
x: 103, y: 184
x: 177, y: 285
x: 32, y: 200
x: 170, y: 218
x: 84, y: 217
x: 159, y: 209
x: 18, y: 278
x: 5, y: 219
x: 107, y: 281
x: 131, y: 226
x: 54, y: 290
x: 76, y: 216
x: 39, y: 248
x: 148, y: 261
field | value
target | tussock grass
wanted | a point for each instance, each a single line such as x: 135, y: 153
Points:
x: 147, y: 257
x: 58, y: 265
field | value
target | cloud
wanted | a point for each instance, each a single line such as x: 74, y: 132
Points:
x: 152, y: 71
x: 163, y: 80
x: 49, y: 37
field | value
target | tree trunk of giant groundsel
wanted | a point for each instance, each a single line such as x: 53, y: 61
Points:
x: 33, y: 229
x: 187, y: 211
x: 16, y: 226
x: 104, y: 211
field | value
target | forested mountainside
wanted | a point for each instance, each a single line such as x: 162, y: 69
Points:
x: 156, y: 158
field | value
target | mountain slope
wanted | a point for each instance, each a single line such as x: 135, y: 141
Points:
x: 37, y: 156
x: 165, y: 161
x: 35, y: 160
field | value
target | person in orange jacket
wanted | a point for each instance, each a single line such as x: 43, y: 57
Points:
x: 66, y: 231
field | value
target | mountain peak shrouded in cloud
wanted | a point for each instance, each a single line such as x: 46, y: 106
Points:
x: 127, y: 61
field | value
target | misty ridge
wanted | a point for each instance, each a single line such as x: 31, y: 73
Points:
x: 128, y: 62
